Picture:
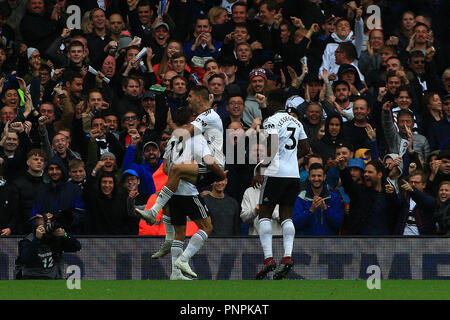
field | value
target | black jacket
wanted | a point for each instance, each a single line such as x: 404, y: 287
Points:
x: 24, y: 189
x: 43, y: 258
x: 8, y: 207
x: 366, y: 216
x: 108, y: 216
x: 423, y: 212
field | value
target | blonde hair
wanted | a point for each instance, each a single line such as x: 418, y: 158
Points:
x: 214, y: 13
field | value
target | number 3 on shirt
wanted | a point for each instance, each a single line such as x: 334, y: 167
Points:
x: 291, y: 137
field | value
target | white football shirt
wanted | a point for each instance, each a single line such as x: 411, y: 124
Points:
x: 210, y: 124
x: 289, y: 131
x: 195, y: 148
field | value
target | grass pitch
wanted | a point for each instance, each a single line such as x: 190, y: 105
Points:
x: 225, y: 290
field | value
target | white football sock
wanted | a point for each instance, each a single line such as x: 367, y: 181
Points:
x: 195, y: 244
x: 265, y: 236
x: 170, y: 230
x: 288, y: 229
x: 163, y: 197
x: 176, y: 250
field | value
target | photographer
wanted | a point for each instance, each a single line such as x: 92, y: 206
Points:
x: 41, y: 252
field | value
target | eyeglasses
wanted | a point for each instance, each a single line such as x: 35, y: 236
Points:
x: 165, y: 138
x: 419, y: 62
x: 233, y: 103
x: 129, y: 118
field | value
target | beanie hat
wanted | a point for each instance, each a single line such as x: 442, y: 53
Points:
x: 30, y: 51
x: 108, y: 154
x: 258, y: 72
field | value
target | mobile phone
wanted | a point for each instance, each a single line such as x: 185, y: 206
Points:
x: 158, y: 89
x: 137, y: 39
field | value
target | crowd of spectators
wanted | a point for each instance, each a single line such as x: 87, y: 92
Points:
x: 86, y: 113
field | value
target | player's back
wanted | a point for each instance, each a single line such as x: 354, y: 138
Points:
x: 289, y: 131
x: 211, y: 126
x: 186, y: 151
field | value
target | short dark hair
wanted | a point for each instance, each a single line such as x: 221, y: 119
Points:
x: 177, y: 55
x: 177, y: 77
x: 402, y: 88
x: 239, y: 3
x: 314, y: 155
x: 216, y: 75
x: 349, y: 50
x: 316, y: 166
x: 183, y: 116
x: 75, y: 43
x: 338, y: 82
x: 37, y: 152
x: 377, y: 164
x: 408, y: 113
x: 71, y: 76
x: 201, y: 91
x: 271, y: 5
x: 276, y: 98
x: 418, y: 172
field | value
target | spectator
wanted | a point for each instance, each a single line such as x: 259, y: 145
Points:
x: 223, y: 210
x: 108, y: 206
x: 37, y: 27
x: 317, y: 210
x: 355, y: 130
x: 151, y: 164
x: 25, y: 187
x: 326, y: 147
x: 77, y: 172
x: 342, y: 33
x: 371, y: 212
x: 14, y: 146
x: 440, y: 171
x: 8, y: 208
x: 58, y: 195
x: 131, y: 181
x: 416, y: 215
x: 250, y: 212
x: 439, y: 132
x: 441, y: 214
x: 257, y: 87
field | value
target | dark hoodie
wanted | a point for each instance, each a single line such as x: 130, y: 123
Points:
x: 109, y: 216
x: 64, y: 196
x: 326, y: 146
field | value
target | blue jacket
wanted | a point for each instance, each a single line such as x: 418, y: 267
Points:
x: 145, y: 172
x: 200, y: 51
x: 318, y: 223
x: 65, y: 196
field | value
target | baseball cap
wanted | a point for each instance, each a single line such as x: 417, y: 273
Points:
x: 149, y: 143
x: 130, y: 172
x: 159, y: 24
x: 345, y: 144
x: 148, y: 95
x: 356, y: 163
